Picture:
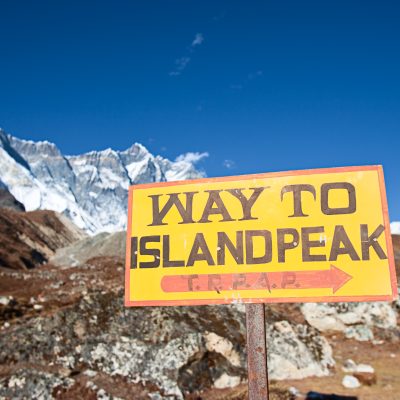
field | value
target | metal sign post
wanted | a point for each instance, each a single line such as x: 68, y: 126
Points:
x: 256, y: 352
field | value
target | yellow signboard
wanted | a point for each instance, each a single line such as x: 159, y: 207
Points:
x: 315, y: 235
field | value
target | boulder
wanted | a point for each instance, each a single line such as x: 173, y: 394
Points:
x: 366, y: 378
x: 356, y: 320
x: 350, y: 382
x: 297, y: 351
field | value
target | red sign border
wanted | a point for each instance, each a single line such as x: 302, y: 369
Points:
x: 192, y: 302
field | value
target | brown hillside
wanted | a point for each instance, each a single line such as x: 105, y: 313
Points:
x: 29, y: 239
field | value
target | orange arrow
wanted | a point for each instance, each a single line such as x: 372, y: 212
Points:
x: 333, y: 278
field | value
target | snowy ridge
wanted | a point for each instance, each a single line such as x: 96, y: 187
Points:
x: 91, y: 189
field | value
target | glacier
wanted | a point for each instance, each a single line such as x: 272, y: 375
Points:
x: 90, y: 189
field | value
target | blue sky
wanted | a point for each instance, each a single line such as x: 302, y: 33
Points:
x: 259, y: 85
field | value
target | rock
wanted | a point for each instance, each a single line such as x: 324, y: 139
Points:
x: 349, y: 366
x: 32, y: 384
x: 363, y: 372
x: 293, y: 391
x: 356, y: 320
x: 227, y: 381
x: 350, y: 382
x: 222, y: 346
x: 366, y: 378
x: 56, y: 285
x: 132, y: 360
x: 72, y: 277
x: 296, y: 352
x: 79, y: 330
x: 365, y: 368
x: 323, y: 317
x: 90, y: 373
x: 361, y: 333
x: 4, y: 300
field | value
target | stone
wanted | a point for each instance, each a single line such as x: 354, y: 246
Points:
x: 31, y: 384
x: 293, y: 391
x: 350, y: 382
x: 324, y: 318
x: 356, y: 320
x: 361, y: 333
x: 365, y: 368
x: 222, y: 346
x: 349, y: 366
x: 363, y: 372
x: 4, y: 300
x: 296, y: 352
x: 79, y: 329
x: 227, y: 381
x: 366, y: 378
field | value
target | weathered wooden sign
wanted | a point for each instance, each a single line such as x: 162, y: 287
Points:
x: 315, y: 235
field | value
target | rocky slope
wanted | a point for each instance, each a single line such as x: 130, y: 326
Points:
x: 101, y: 245
x: 90, y: 189
x: 71, y: 331
x: 72, y: 334
x: 73, y: 338
x: 30, y: 239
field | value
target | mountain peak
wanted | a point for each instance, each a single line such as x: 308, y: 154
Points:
x: 30, y: 150
x: 91, y: 189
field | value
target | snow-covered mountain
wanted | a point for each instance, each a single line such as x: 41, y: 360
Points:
x: 90, y: 189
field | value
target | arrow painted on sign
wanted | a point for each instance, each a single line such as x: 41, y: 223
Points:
x: 332, y: 278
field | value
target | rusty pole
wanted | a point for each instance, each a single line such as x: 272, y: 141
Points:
x: 257, y: 370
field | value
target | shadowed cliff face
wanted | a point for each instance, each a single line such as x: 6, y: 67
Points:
x: 7, y: 200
